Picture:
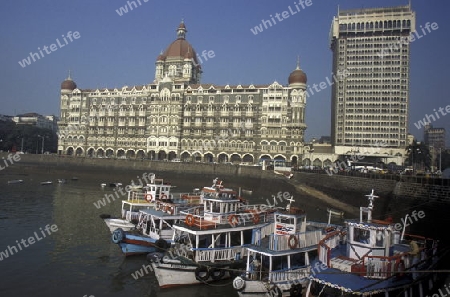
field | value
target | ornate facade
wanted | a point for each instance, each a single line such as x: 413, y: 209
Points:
x: 177, y: 117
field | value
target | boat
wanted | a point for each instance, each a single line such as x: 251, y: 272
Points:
x: 372, y: 258
x: 46, y: 183
x: 138, y: 199
x: 15, y: 181
x: 102, y: 185
x: 112, y: 185
x: 248, y: 192
x: 209, y: 244
x: 280, y: 264
x: 154, y: 230
x: 61, y: 181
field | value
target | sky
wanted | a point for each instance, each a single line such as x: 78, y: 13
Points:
x: 115, y: 50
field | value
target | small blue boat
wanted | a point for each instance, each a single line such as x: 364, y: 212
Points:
x: 135, y: 244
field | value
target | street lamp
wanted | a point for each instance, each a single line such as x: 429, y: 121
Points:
x: 42, y: 150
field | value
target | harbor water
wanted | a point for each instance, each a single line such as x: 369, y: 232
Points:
x: 53, y: 242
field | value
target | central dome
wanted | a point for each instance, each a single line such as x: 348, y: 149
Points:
x: 180, y: 49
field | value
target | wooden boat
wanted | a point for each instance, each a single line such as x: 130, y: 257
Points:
x: 280, y: 265
x: 15, y: 181
x: 371, y: 258
x: 210, y: 242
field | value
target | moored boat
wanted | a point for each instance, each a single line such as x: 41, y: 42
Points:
x: 372, y: 258
x: 280, y: 264
x: 15, y: 181
x: 46, y: 183
x: 210, y: 242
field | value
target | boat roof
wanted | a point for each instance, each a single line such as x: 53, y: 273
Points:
x: 350, y: 282
x: 220, y: 228
x: 161, y: 214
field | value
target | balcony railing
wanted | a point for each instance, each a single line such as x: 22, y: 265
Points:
x: 304, y: 239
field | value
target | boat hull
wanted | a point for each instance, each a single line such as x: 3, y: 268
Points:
x: 136, y: 244
x: 114, y: 224
x: 176, y: 274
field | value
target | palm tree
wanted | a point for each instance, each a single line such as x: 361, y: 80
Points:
x: 418, y: 153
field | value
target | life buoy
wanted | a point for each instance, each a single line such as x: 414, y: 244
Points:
x: 170, y: 210
x: 400, y: 268
x: 216, y: 273
x: 165, y: 208
x: 293, y: 241
x: 163, y: 196
x: 239, y: 283
x: 202, y: 273
x: 148, y: 197
x: 233, y: 220
x: 118, y: 235
x: 189, y: 220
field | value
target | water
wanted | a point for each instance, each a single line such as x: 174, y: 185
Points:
x: 79, y: 259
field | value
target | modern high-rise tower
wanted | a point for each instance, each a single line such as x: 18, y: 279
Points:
x: 369, y: 105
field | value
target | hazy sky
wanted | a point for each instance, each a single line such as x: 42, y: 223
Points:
x: 113, y: 51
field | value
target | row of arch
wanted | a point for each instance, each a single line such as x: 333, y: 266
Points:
x: 395, y: 24
x: 171, y: 155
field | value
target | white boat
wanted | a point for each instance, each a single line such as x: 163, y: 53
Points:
x: 371, y: 258
x: 280, y: 265
x: 102, y: 185
x: 46, y: 183
x: 210, y: 242
x: 61, y: 181
x: 154, y: 230
x: 15, y: 181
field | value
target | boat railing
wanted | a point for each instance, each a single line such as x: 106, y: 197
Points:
x: 329, y: 242
x: 219, y: 254
x: 136, y: 197
x: 294, y: 241
x: 289, y: 274
x: 382, y: 267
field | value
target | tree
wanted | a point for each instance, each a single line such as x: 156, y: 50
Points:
x: 13, y: 136
x: 418, y: 154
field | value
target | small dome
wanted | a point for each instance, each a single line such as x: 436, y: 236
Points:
x: 68, y: 84
x: 161, y: 57
x: 297, y: 76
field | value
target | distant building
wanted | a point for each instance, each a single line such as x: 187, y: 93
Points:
x: 177, y: 117
x: 434, y: 137
x: 370, y: 105
x: 35, y: 119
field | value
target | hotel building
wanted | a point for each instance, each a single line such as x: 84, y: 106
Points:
x: 178, y: 117
x: 370, y: 105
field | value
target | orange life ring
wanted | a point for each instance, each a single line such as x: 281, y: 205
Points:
x: 233, y: 220
x: 163, y: 196
x: 171, y: 210
x: 189, y: 220
x: 293, y: 241
x: 148, y: 197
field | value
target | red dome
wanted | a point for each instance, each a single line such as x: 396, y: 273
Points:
x: 68, y: 84
x: 180, y: 49
x: 297, y: 76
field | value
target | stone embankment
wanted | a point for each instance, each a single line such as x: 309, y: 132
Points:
x: 342, y: 192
